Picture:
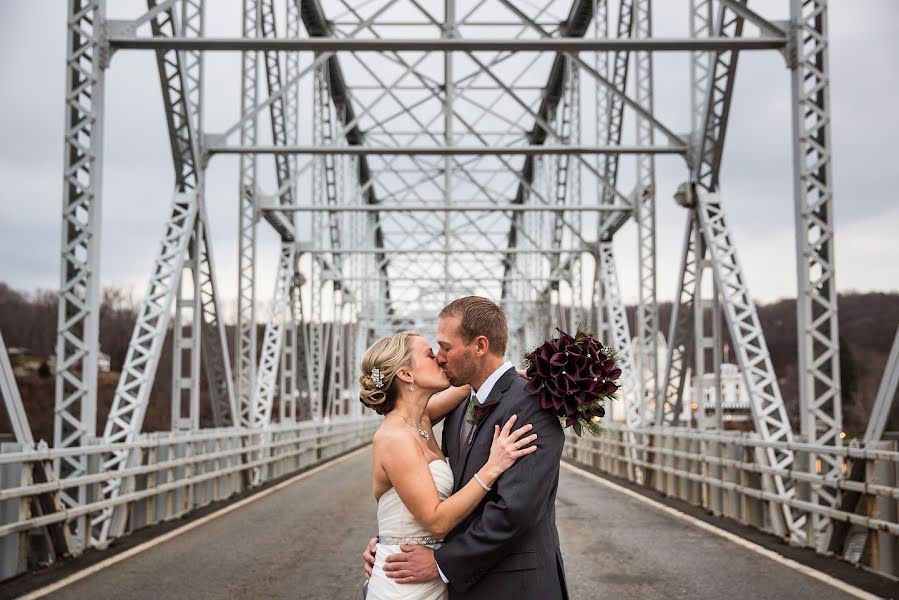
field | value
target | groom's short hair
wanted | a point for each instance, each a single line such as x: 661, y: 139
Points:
x: 480, y: 316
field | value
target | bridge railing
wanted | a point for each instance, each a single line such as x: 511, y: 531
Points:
x: 719, y: 472
x: 169, y: 474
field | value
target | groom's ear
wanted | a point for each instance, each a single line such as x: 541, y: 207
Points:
x: 482, y: 345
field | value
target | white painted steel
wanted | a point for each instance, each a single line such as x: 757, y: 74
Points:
x: 443, y: 165
x: 77, y: 339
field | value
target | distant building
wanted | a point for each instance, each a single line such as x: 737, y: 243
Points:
x: 736, y: 409
x: 735, y: 406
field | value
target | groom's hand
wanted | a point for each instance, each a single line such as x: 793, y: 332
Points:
x: 369, y: 556
x: 415, y: 564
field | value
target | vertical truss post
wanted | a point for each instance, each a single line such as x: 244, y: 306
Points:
x: 188, y: 306
x: 200, y: 312
x: 246, y: 285
x: 613, y: 120
x: 181, y: 77
x: 679, y: 358
x: 270, y: 355
x: 307, y: 329
x: 621, y: 337
x: 214, y: 338
x: 193, y: 21
x: 603, y: 100
x: 706, y: 337
x: 448, y: 32
x: 562, y: 122
x: 277, y: 107
x: 289, y: 390
x: 647, y: 313
x: 621, y: 340
x: 700, y: 27
x: 751, y: 351
x: 186, y: 344
x: 599, y: 323
x: 292, y: 94
x: 818, y: 330
x: 77, y: 341
x: 335, y: 392
x: 314, y: 353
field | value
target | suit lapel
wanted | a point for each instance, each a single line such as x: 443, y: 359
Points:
x: 495, y: 394
x: 451, y: 430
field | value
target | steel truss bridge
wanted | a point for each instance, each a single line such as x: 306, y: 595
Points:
x: 422, y: 151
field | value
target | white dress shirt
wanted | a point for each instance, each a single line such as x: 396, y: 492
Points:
x: 482, y: 393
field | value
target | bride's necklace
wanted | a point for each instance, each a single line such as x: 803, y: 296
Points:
x: 421, y: 431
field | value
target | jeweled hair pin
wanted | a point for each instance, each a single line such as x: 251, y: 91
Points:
x: 377, y: 377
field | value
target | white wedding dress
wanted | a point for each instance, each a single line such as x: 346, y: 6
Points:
x: 396, y: 524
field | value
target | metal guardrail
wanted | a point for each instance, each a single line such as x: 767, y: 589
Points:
x: 171, y: 474
x: 719, y: 472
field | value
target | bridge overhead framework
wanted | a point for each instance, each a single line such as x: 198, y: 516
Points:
x: 418, y: 152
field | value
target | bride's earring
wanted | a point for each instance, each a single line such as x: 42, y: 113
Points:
x: 412, y: 386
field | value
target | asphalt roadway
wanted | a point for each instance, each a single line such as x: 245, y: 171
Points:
x: 305, y: 541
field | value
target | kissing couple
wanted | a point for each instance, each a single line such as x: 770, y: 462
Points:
x: 473, y: 517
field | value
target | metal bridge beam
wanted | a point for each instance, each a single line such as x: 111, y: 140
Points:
x: 77, y: 339
x: 575, y: 26
x: 816, y: 304
x: 528, y: 151
x: 117, y: 42
x: 245, y: 351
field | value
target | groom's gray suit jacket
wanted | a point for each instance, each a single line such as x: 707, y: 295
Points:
x: 508, y: 548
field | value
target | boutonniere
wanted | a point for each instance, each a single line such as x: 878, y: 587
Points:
x: 476, y: 415
x: 478, y: 412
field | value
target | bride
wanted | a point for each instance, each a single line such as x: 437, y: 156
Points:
x: 412, y: 479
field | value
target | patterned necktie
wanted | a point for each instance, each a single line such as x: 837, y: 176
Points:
x: 466, y: 426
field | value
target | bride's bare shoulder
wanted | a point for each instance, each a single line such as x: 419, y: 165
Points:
x: 389, y: 434
x: 391, y: 442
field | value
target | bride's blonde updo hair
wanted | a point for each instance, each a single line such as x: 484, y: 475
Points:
x: 388, y: 355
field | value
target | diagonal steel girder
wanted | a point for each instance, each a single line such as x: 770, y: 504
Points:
x: 313, y: 16
x: 184, y: 235
x: 575, y: 25
x: 616, y: 100
x: 767, y: 406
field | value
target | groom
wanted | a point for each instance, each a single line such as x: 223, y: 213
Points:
x: 508, y: 548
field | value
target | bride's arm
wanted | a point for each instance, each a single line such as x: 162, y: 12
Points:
x: 443, y: 403
x: 409, y: 474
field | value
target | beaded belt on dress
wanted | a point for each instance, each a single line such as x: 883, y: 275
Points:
x: 410, y: 541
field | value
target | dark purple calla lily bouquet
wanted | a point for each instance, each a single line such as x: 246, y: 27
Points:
x: 574, y: 376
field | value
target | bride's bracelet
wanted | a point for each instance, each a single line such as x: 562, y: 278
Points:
x: 481, y: 483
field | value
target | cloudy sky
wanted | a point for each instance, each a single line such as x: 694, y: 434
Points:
x: 756, y: 177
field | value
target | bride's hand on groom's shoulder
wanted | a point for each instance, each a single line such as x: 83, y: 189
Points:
x: 523, y: 373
